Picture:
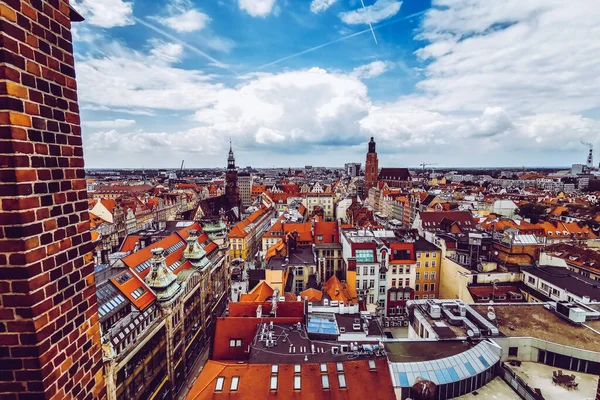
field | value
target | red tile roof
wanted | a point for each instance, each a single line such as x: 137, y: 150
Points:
x: 291, y: 309
x: 261, y: 292
x: 130, y: 285
x: 328, y: 230
x: 254, y: 381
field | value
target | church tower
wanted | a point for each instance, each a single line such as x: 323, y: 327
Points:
x: 232, y: 191
x: 371, y: 167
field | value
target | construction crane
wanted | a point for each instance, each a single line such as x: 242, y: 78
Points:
x: 181, y: 169
x: 426, y: 165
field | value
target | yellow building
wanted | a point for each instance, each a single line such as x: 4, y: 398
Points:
x: 244, y: 237
x: 427, y: 275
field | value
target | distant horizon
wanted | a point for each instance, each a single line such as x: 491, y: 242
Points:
x: 318, y: 166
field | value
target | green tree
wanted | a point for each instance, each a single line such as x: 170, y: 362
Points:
x: 532, y: 211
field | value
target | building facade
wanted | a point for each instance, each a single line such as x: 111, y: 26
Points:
x: 245, y: 187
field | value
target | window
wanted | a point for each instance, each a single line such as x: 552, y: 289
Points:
x: 371, y: 283
x: 426, y: 264
x: 432, y: 276
x: 235, y: 343
x: 418, y: 276
x: 297, y: 368
x: 357, y: 271
x: 417, y: 287
x: 432, y: 288
x: 235, y: 380
x: 325, y: 381
x: 531, y: 279
x: 273, y: 385
x: 394, y: 271
x: 426, y: 255
x: 364, y: 255
x: 365, y: 270
x: 371, y: 299
x: 393, y: 283
x: 297, y: 382
x: 339, y: 367
x: 545, y: 287
x: 381, y: 289
x: 365, y: 284
x: 426, y: 275
x: 372, y: 272
x: 433, y: 263
x: 432, y: 296
x: 342, y: 380
x: 382, y: 277
x: 323, y: 367
x: 418, y: 264
x: 274, y: 368
x: 392, y: 296
x: 426, y: 287
x: 401, y: 254
x: 416, y: 297
x: 382, y: 303
x: 320, y: 238
x: 425, y: 297
x: 219, y: 384
x: 513, y: 351
x: 372, y: 365
x: 555, y: 292
x: 358, y: 284
x: 407, y: 282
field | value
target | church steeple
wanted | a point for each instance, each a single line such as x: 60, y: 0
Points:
x: 231, y: 158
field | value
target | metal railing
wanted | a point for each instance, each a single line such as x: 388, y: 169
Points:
x: 520, y: 387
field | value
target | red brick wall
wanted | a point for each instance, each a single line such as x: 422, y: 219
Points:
x: 598, y: 390
x: 49, y: 332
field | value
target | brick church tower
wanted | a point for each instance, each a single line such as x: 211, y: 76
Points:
x: 232, y: 190
x: 49, y: 334
x: 371, y: 167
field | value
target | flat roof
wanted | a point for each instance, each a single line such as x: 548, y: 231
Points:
x: 417, y: 351
x: 534, y: 320
x: 293, y: 346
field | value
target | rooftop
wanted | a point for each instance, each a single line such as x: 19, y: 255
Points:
x: 535, y: 320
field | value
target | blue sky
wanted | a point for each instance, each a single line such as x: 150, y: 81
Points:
x: 296, y: 82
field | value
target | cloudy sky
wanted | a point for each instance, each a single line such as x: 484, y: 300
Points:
x: 297, y: 82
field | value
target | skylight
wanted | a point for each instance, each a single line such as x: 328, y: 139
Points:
x: 342, y: 380
x: 325, y: 381
x: 219, y: 384
x: 273, y: 385
x: 234, y: 383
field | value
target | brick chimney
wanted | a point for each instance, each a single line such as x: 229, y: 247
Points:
x: 49, y: 334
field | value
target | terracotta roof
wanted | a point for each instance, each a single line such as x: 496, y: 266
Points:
x: 238, y: 230
x: 286, y: 308
x: 311, y: 295
x: 433, y: 219
x: 361, y: 381
x: 129, y: 243
x: 261, y: 292
x: 339, y: 291
x: 129, y: 283
x: 328, y: 230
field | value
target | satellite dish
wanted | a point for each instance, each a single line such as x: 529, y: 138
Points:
x: 491, y: 316
x: 470, y: 333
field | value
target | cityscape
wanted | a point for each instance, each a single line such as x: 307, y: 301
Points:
x: 380, y: 250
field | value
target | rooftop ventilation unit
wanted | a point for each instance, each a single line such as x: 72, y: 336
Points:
x: 571, y: 312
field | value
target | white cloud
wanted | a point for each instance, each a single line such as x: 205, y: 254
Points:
x: 168, y: 52
x: 500, y: 77
x: 186, y: 21
x: 381, y: 10
x: 317, y: 6
x: 257, y: 8
x: 105, y: 13
x: 371, y: 70
x: 114, y: 124
x: 122, y: 78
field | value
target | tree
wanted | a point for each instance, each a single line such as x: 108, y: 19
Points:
x: 532, y: 211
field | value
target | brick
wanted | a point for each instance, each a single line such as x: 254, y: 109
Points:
x: 8, y: 13
x: 14, y: 89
